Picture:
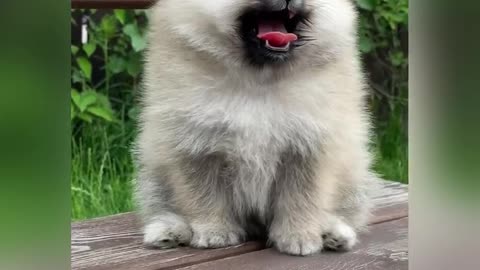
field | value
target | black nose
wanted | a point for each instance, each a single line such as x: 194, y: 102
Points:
x: 277, y: 5
x: 295, y: 5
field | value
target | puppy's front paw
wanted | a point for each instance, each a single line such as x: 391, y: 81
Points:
x: 340, y: 237
x: 302, y: 244
x: 211, y: 235
x: 168, y: 231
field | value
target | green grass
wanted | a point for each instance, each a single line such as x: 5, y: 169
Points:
x: 102, y: 169
x: 391, y: 148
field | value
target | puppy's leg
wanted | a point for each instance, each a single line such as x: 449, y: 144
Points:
x: 302, y: 216
x: 163, y: 228
x: 205, y: 200
x: 353, y: 201
x: 352, y: 206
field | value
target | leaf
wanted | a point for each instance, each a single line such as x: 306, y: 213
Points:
x: 130, y: 29
x: 76, y: 76
x: 367, y: 4
x: 121, y: 15
x: 365, y: 44
x: 139, y: 43
x: 397, y: 58
x: 73, y: 49
x: 109, y: 26
x: 87, y: 99
x: 102, y: 113
x: 85, y: 117
x: 75, y: 97
x: 85, y: 66
x: 116, y: 64
x: 134, y: 66
x: 89, y: 48
x: 133, y: 113
x: 103, y: 101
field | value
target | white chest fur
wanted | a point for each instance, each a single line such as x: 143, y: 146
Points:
x: 256, y: 130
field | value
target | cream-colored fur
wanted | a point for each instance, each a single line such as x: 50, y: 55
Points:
x: 203, y: 101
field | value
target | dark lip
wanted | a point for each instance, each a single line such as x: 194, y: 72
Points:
x: 256, y: 51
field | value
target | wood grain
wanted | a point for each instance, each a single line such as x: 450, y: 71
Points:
x: 115, y: 242
x: 112, y: 4
x: 386, y: 248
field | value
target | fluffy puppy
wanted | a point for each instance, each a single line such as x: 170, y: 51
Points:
x: 253, y: 124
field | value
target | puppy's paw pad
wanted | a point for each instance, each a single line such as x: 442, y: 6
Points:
x: 166, y: 233
x: 215, y: 236
x: 341, y: 237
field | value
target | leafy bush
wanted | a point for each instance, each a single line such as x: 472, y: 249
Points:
x: 383, y: 42
x: 109, y: 64
x: 105, y: 77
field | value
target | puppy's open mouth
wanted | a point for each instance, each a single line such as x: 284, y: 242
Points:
x: 273, y: 30
x: 270, y: 36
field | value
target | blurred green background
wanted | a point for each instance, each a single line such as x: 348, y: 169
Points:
x: 106, y: 68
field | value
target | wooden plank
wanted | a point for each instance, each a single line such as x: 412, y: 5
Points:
x: 391, y: 202
x: 384, y: 248
x: 130, y: 256
x: 112, y: 4
x: 115, y: 242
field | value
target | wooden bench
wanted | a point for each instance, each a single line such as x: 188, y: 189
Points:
x: 115, y: 242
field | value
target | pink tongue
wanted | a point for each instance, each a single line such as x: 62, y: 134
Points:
x: 275, y: 33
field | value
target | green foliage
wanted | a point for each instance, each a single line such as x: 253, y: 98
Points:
x: 383, y: 42
x: 85, y: 67
x: 105, y: 77
x: 89, y: 104
x: 138, y: 41
x: 108, y: 67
